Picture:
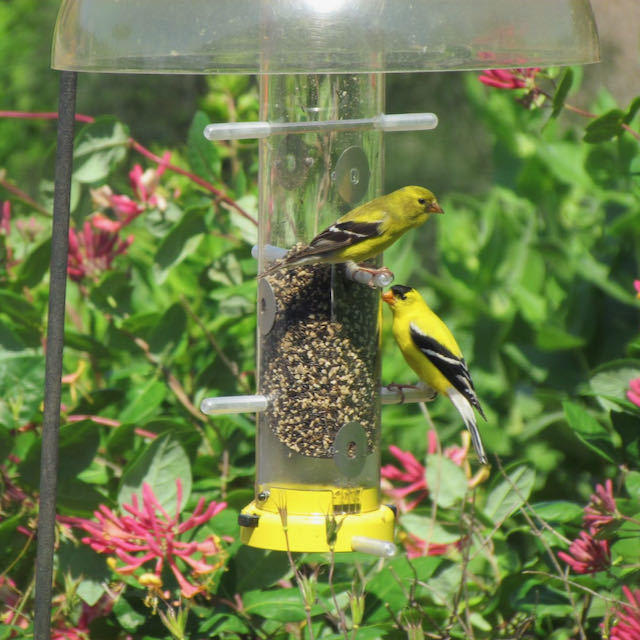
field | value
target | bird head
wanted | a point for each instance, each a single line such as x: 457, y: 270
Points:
x: 418, y: 203
x: 399, y: 296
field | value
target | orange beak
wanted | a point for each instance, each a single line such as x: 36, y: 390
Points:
x: 388, y: 297
x: 434, y: 207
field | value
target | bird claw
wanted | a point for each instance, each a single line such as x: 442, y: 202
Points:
x: 375, y: 278
x: 394, y: 386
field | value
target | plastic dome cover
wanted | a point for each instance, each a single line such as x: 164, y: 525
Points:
x: 320, y: 36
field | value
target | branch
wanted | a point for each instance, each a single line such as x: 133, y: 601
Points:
x: 136, y: 146
x: 21, y: 195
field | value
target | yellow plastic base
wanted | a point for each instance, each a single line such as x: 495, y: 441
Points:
x: 315, y: 520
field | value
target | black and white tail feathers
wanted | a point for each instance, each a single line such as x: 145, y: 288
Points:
x: 462, y: 392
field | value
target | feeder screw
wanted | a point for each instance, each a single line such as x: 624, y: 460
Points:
x: 263, y: 495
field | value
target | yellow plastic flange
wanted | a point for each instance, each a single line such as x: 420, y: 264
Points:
x: 315, y: 520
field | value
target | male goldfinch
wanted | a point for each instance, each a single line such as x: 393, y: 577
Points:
x: 433, y: 353
x: 365, y: 231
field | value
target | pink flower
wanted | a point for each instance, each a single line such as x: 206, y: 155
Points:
x: 80, y: 631
x: 144, y: 183
x: 91, y: 252
x: 509, y: 78
x: 125, y: 209
x: 587, y: 555
x: 150, y: 534
x: 417, y: 547
x: 634, y: 391
x: 601, y: 509
x: 5, y: 218
x: 636, y: 284
x: 412, y: 474
x: 628, y: 625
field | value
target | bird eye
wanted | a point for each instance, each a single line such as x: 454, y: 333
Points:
x: 422, y: 201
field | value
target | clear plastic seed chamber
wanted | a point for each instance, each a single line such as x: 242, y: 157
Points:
x: 322, y: 119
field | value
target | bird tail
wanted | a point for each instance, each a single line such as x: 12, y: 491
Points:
x: 466, y: 411
x: 276, y: 266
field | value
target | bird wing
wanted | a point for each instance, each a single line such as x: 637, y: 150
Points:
x: 339, y: 235
x: 452, y: 367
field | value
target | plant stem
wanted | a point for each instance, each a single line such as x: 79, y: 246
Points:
x: 21, y: 195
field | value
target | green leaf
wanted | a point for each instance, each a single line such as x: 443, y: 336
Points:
x: 99, y: 148
x: 283, y: 605
x: 510, y: 494
x: 78, y: 445
x: 611, y: 381
x: 259, y: 568
x: 446, y: 480
x: 36, y: 265
x: 605, y: 127
x: 589, y: 430
x: 18, y: 307
x: 127, y: 616
x: 9, y: 338
x: 383, y: 592
x: 539, y: 599
x: 632, y: 484
x: 162, y: 463
x: 87, y: 566
x: 632, y: 110
x: 169, y: 331
x: 247, y: 229
x: 626, y: 426
x: 181, y: 241
x: 85, y: 342
x: 113, y: 294
x: 144, y: 401
x: 626, y: 546
x: 77, y: 498
x: 425, y: 528
x: 21, y: 387
x: 557, y: 511
x: 550, y: 338
x: 566, y: 162
x: 561, y: 92
x: 202, y: 154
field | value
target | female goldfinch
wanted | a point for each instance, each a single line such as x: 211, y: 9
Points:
x: 433, y: 353
x: 365, y: 231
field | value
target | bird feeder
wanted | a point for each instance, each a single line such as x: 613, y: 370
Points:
x: 321, y: 67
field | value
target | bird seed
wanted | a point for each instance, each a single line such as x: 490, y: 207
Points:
x: 319, y: 362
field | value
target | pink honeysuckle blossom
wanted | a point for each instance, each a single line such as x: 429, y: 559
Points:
x: 125, y: 209
x: 634, y: 391
x: 91, y: 251
x: 636, y: 286
x: 145, y: 183
x: 417, y: 547
x: 602, y: 509
x: 627, y: 626
x: 509, y: 78
x: 587, y: 555
x: 412, y: 473
x: 149, y: 534
x: 5, y: 218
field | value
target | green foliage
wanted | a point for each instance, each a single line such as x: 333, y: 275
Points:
x: 535, y: 278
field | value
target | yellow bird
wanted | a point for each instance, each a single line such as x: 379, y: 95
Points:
x: 365, y: 231
x: 433, y: 353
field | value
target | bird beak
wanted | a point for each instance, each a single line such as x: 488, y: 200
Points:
x: 388, y: 297
x: 434, y: 207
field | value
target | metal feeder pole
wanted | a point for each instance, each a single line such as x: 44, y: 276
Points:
x: 53, y: 363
